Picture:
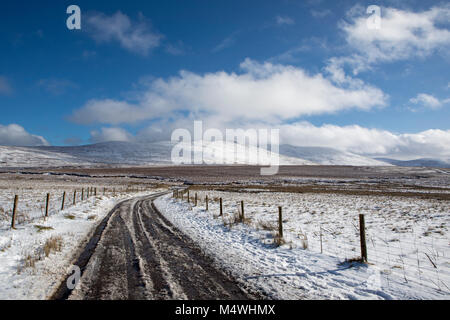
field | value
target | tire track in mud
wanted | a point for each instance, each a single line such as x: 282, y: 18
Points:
x: 139, y: 255
x: 192, y: 270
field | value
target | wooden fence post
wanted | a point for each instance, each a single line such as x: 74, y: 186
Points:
x: 188, y: 196
x: 95, y: 192
x: 82, y: 194
x: 242, y: 211
x: 196, y: 199
x: 362, y: 235
x: 46, y: 204
x: 321, y: 251
x: 74, y: 196
x: 206, y: 202
x: 63, y: 200
x: 221, y: 208
x: 280, y: 223
x: 13, y: 221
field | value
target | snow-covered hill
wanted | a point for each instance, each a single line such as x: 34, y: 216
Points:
x: 159, y: 153
x: 423, y: 162
x: 329, y: 156
x: 117, y: 152
x: 128, y: 153
x: 220, y: 152
x: 30, y: 157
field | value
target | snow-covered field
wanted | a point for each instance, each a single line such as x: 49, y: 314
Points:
x: 407, y: 239
x: 35, y: 257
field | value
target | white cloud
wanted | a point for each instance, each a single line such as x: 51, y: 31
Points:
x: 426, y: 144
x: 109, y: 111
x: 110, y: 134
x: 265, y: 92
x: 5, y: 87
x: 15, y: 135
x: 133, y: 36
x: 403, y: 34
x: 426, y: 100
x: 284, y: 20
x: 374, y: 142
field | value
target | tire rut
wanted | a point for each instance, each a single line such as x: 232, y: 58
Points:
x: 160, y: 286
x: 139, y: 254
x: 193, y: 270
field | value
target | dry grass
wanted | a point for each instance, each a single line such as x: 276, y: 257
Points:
x: 6, y: 246
x: 52, y: 244
x: 266, y: 225
x: 230, y: 220
x: 40, y: 228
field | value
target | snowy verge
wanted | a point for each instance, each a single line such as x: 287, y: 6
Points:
x: 282, y: 272
x: 26, y: 272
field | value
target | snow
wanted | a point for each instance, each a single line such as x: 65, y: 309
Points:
x: 225, y: 152
x: 397, y: 269
x: 329, y: 156
x: 215, y: 152
x: 29, y: 157
x: 73, y: 225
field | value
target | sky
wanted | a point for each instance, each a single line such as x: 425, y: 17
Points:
x: 323, y: 72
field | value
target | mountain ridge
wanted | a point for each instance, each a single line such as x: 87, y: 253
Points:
x: 159, y: 153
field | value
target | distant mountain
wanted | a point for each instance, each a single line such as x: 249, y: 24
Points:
x: 129, y: 153
x: 30, y: 157
x: 159, y: 153
x: 423, y: 162
x: 117, y: 152
x: 329, y: 156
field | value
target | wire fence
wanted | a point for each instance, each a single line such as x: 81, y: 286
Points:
x: 32, y: 205
x: 403, y: 254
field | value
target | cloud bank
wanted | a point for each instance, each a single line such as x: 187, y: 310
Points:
x: 16, y: 135
x: 373, y: 142
x: 265, y: 92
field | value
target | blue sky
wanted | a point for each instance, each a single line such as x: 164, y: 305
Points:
x: 138, y: 69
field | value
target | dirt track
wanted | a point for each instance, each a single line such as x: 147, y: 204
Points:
x: 141, y: 255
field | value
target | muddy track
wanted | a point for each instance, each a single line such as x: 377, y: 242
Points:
x: 140, y: 255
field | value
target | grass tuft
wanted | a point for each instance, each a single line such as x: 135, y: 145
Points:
x: 41, y: 228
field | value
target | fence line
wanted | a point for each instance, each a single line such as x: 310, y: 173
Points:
x: 407, y: 255
x: 51, y: 203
